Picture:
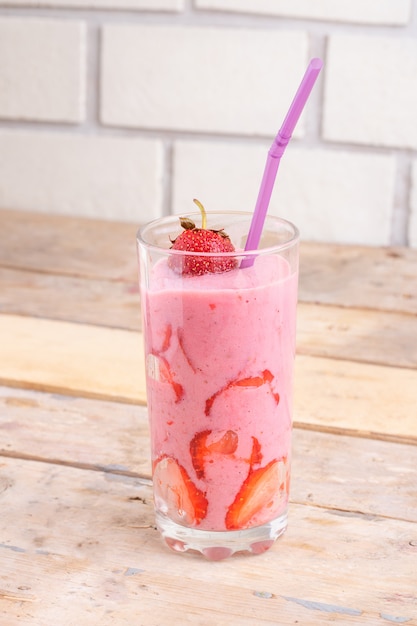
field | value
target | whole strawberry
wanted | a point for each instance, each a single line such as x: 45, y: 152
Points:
x: 194, y: 239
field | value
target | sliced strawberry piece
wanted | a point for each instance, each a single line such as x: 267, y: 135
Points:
x: 167, y: 338
x: 165, y: 375
x: 256, y: 455
x: 158, y: 368
x: 180, y: 336
x: 227, y: 444
x: 266, y: 377
x: 223, y: 443
x: 175, y: 492
x: 210, y: 402
x: 252, y: 381
x: 260, y: 498
x: 198, y: 451
x: 161, y: 340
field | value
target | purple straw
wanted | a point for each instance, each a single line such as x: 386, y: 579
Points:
x: 274, y: 155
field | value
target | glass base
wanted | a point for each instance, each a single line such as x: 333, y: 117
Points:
x: 218, y: 545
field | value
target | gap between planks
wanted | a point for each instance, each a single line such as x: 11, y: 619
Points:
x: 89, y: 467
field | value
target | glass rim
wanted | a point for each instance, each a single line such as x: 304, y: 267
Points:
x: 294, y: 237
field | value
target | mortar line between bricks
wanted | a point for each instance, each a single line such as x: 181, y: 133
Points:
x: 314, y: 112
x: 92, y: 76
x: 167, y: 178
x: 401, y: 209
x: 208, y: 18
x: 87, y: 129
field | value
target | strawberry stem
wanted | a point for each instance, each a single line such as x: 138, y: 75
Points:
x: 203, y: 213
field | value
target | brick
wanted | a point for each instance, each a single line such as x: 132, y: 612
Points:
x: 332, y: 195
x: 200, y: 79
x: 109, y: 177
x: 42, y: 70
x: 354, y: 11
x: 412, y: 235
x: 371, y: 91
x: 139, y: 5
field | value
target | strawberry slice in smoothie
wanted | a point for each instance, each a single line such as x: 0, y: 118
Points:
x: 262, y: 496
x: 265, y: 377
x: 206, y: 444
x: 176, y: 493
x: 158, y: 369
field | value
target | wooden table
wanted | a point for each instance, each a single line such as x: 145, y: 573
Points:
x: 77, y: 540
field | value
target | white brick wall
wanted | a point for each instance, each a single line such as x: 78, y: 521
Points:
x: 42, y: 73
x: 128, y: 109
x: 413, y: 217
x: 199, y: 79
x: 109, y: 177
x: 368, y: 99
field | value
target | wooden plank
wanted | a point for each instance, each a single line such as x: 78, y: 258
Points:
x: 69, y: 358
x: 96, y: 434
x: 108, y: 363
x: 356, y: 398
x: 363, y: 476
x: 359, y: 276
x: 333, y: 471
x: 80, y: 547
x: 369, y: 336
x: 72, y: 246
x: 68, y: 298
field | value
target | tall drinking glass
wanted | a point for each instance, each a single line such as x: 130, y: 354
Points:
x: 219, y: 350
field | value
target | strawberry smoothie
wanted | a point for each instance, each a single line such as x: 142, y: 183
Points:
x: 219, y: 354
x: 219, y: 350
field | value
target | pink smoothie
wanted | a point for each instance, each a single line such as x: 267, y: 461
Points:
x: 219, y: 354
